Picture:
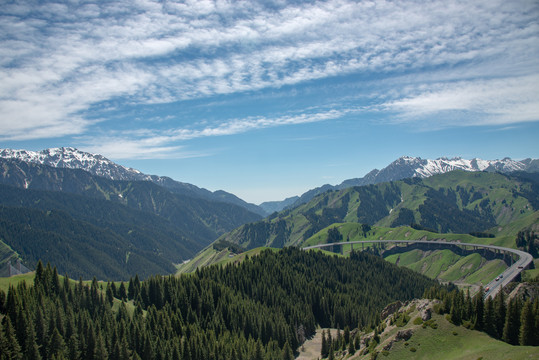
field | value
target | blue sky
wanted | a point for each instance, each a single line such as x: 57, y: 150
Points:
x: 269, y: 99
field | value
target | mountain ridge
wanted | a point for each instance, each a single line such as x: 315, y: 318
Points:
x: 454, y: 202
x: 410, y: 167
x: 403, y: 167
x: 98, y: 165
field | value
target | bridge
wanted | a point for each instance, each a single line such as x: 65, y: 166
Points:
x: 491, y: 289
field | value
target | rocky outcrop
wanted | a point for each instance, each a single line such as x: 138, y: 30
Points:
x: 425, y: 314
x: 404, y: 335
x: 390, y: 309
x: 525, y: 291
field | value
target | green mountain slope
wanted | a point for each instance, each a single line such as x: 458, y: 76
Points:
x: 442, y: 340
x: 202, y: 219
x: 87, y: 236
x: 456, y: 202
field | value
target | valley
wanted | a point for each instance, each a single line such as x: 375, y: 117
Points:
x: 223, y: 274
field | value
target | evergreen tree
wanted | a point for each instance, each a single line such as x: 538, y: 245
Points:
x: 478, y: 309
x: 100, y: 351
x: 109, y: 294
x: 535, y: 341
x: 331, y: 355
x: 258, y: 352
x: 346, y: 334
x: 30, y: 347
x: 122, y: 292
x: 499, y: 312
x: 325, y: 346
x: 56, y: 346
x: 512, y: 323
x: 73, y: 351
x: 527, y: 325
x: 351, y: 347
x: 287, y: 353
x: 12, y: 349
x: 489, y: 319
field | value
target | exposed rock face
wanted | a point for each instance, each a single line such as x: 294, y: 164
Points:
x: 390, y: 309
x: 425, y: 314
x: 525, y: 291
x: 404, y: 335
x: 365, y: 340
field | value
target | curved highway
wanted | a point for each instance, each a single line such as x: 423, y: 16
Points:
x: 492, y: 288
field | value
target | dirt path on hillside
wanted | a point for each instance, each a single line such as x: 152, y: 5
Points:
x: 311, y: 348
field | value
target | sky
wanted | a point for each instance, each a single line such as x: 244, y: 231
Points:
x: 268, y: 99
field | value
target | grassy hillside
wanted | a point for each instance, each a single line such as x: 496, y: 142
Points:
x: 6, y: 254
x: 446, y: 341
x: 444, y: 265
x: 5, y: 282
x: 456, y: 202
x: 211, y: 256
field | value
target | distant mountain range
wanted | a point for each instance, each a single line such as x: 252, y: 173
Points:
x: 71, y: 158
x: 84, y: 212
x: 410, y: 167
x: 459, y: 202
x: 402, y: 168
x: 91, y: 225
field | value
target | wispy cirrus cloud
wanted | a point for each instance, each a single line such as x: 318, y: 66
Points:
x: 57, y: 61
x: 498, y: 101
x: 148, y: 143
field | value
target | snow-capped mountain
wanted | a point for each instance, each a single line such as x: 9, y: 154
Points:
x: 71, y: 158
x: 408, y: 167
x: 98, y: 165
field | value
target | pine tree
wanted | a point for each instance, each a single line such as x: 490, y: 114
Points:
x: 109, y: 294
x: 12, y: 347
x: 489, y: 319
x: 30, y: 347
x: 287, y: 353
x: 100, y: 351
x: 499, y: 312
x: 331, y: 354
x: 535, y: 341
x: 56, y: 346
x: 351, y: 347
x: 478, y: 309
x: 73, y: 351
x: 122, y: 292
x: 527, y: 325
x: 512, y: 323
x: 39, y: 276
x: 325, y: 346
x: 258, y: 351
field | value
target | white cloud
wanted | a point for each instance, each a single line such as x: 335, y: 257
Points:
x: 468, y: 103
x: 57, y: 62
x: 148, y: 143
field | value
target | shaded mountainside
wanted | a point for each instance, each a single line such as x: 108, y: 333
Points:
x: 203, y: 219
x: 456, y: 202
x: 149, y: 227
x: 98, y: 165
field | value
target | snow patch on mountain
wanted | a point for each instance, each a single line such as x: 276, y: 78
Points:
x: 98, y: 165
x: 71, y: 158
x: 426, y: 167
